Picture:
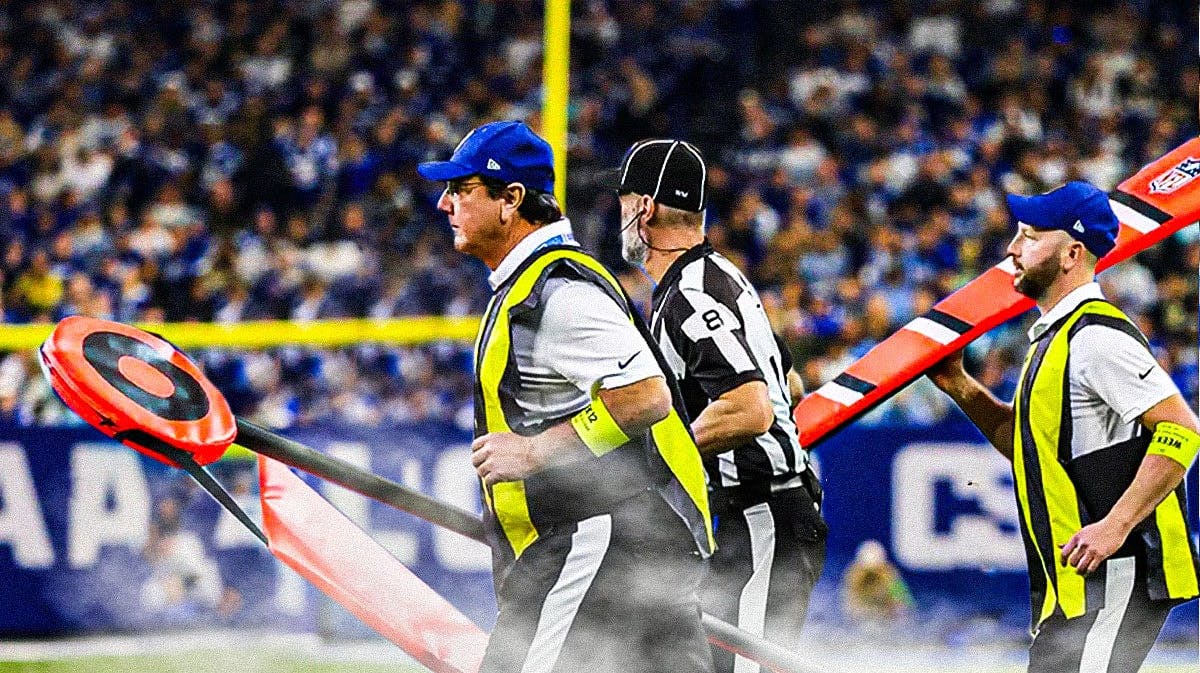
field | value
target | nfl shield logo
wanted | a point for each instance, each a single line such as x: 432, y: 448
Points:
x: 1177, y: 176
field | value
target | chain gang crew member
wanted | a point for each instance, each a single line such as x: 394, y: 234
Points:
x: 593, y: 485
x: 1100, y: 440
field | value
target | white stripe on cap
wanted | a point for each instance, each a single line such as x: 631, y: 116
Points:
x: 663, y: 169
x: 638, y: 148
x: 464, y: 139
x: 703, y: 169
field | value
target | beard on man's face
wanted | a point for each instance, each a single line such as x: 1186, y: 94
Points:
x: 633, y: 248
x: 1035, y: 280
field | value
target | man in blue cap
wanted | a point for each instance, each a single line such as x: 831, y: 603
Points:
x: 595, y: 495
x: 1100, y: 440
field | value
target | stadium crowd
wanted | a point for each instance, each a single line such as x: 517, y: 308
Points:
x: 236, y: 160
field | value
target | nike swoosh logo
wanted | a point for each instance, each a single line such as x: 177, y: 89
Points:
x: 1143, y: 376
x: 622, y: 365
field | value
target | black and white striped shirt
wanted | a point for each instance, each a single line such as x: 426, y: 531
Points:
x: 711, y: 327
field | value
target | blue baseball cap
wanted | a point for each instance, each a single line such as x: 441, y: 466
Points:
x: 1078, y: 208
x: 508, y: 151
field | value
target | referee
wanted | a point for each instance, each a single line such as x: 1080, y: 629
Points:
x: 594, y: 489
x: 1100, y: 440
x: 711, y: 327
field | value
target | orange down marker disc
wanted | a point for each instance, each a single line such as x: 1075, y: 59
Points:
x: 137, y: 388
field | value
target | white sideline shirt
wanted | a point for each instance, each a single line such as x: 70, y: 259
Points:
x: 1114, y: 379
x: 584, y: 338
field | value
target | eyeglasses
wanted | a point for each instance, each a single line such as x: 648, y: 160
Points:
x: 456, y: 188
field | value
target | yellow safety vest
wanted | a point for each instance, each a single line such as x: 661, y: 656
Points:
x: 1057, y: 494
x: 664, y: 459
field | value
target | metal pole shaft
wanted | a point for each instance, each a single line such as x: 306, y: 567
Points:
x: 263, y: 441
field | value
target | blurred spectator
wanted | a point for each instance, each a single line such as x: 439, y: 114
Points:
x: 256, y: 160
x: 38, y: 288
x: 184, y: 582
x: 873, y: 593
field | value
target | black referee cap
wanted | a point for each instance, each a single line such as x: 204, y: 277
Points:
x: 671, y: 172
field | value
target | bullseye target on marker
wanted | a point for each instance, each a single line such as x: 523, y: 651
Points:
x: 139, y: 389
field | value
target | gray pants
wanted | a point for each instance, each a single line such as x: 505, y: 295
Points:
x: 1113, y: 639
x: 614, y: 593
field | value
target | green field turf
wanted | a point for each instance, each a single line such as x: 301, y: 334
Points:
x: 203, y: 652
x: 207, y: 662
x: 258, y: 663
x: 233, y: 651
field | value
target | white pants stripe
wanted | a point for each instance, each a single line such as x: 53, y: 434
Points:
x: 1118, y: 588
x: 752, y: 605
x: 588, y: 546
